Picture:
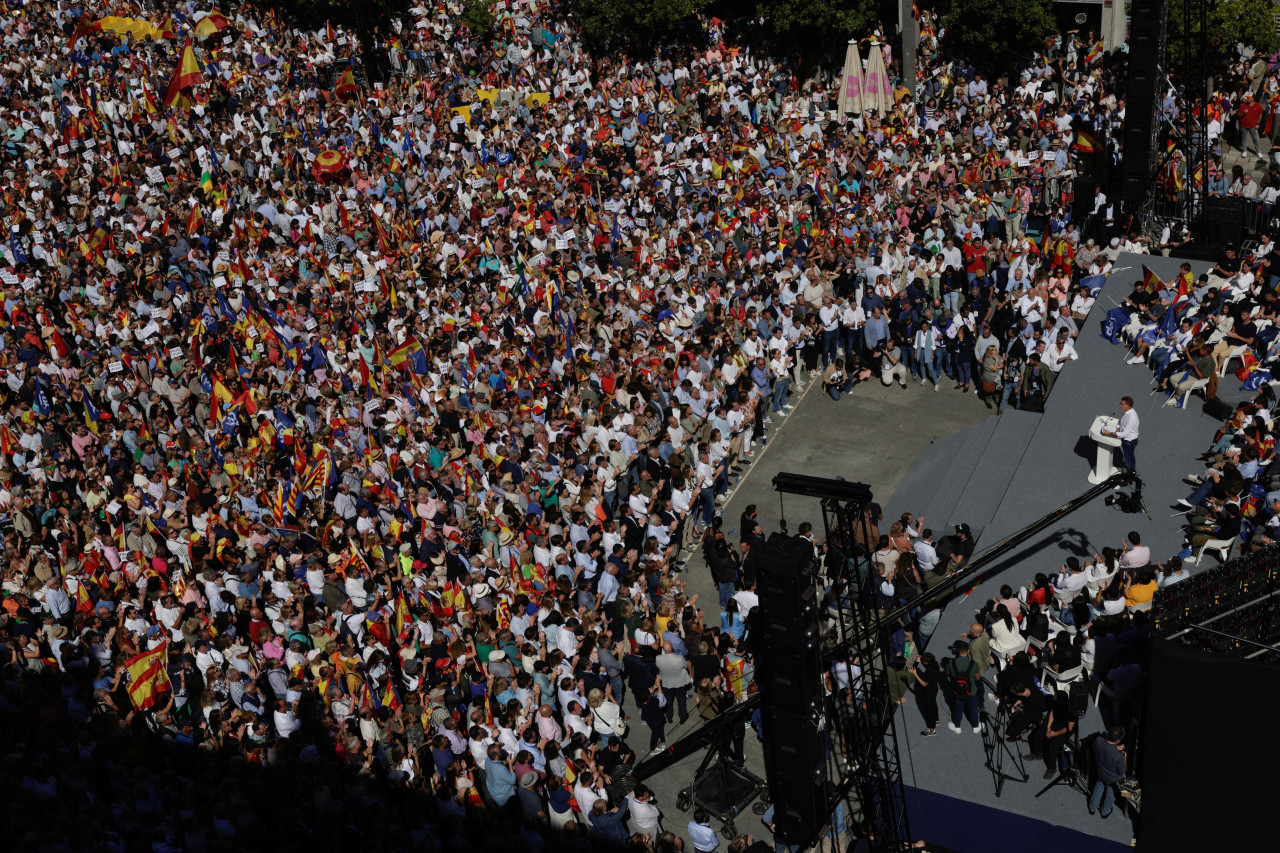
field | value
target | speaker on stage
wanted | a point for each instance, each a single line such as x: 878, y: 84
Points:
x: 788, y: 662
x: 1082, y: 202
x: 795, y: 766
x: 1224, y: 218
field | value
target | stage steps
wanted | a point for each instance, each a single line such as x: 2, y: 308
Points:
x: 961, y: 477
x: 983, y: 492
x: 949, y: 509
x: 918, y: 491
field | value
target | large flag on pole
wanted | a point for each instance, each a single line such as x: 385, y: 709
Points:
x: 851, y: 83
x: 148, y: 676
x: 186, y: 75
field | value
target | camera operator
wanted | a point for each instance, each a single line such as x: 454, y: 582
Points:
x: 1025, y: 711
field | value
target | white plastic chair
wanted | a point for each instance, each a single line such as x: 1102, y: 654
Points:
x: 1181, y: 399
x: 1221, y: 546
x: 1063, y: 678
x: 1235, y: 352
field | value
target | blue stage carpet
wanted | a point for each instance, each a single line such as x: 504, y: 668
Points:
x: 968, y: 827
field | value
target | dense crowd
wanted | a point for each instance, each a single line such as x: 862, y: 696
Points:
x: 363, y: 431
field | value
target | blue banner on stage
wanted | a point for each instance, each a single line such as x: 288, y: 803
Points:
x: 1117, y: 319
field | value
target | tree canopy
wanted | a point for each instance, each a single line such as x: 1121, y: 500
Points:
x: 1001, y: 32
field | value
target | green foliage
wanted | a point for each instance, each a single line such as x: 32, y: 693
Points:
x: 477, y: 16
x: 635, y: 22
x: 1231, y: 22
x: 1003, y: 32
x: 816, y: 29
x: 817, y: 17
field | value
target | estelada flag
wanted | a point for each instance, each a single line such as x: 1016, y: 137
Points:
x: 346, y: 85
x: 186, y: 75
x: 148, y: 676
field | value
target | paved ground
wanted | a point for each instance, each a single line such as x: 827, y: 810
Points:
x: 871, y: 436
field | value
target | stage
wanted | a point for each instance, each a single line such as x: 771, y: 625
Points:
x: 998, y: 478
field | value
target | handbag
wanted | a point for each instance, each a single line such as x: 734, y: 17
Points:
x: 988, y: 387
x: 618, y: 726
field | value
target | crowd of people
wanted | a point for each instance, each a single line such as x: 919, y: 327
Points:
x: 363, y: 430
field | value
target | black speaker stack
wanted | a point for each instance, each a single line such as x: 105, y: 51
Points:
x: 1146, y: 84
x: 789, y: 673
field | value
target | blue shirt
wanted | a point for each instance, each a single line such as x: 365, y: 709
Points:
x: 703, y: 837
x: 500, y: 780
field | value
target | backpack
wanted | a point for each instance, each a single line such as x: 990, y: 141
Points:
x: 961, y: 685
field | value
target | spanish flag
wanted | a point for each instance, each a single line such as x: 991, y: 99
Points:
x: 1150, y: 281
x: 211, y: 24
x: 186, y: 75
x: 84, y: 604
x: 195, y: 220
x: 346, y: 85
x: 148, y: 676
x: 1087, y: 143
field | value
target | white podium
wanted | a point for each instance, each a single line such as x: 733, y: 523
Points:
x: 1104, y: 464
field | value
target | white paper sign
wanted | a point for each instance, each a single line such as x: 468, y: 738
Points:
x: 681, y: 274
x: 114, y: 507
x: 175, y: 352
x: 73, y: 199
x: 219, y: 281
x: 175, y: 153
x: 64, y: 149
x: 149, y: 330
x: 115, y: 366
x: 311, y: 324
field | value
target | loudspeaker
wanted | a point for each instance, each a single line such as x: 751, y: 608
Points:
x: 795, y: 768
x: 1217, y: 409
x: 1224, y: 219
x: 789, y: 673
x: 1082, y: 203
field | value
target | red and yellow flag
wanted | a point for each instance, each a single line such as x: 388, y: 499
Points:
x: 346, y: 85
x: 84, y: 604
x: 185, y: 76
x: 148, y: 676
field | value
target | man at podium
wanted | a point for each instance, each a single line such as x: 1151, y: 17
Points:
x: 1127, y: 432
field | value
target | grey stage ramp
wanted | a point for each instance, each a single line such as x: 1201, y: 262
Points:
x: 1029, y: 467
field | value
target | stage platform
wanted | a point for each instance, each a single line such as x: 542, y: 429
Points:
x: 1004, y: 473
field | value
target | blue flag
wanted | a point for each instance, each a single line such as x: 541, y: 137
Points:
x: 15, y: 246
x: 1256, y: 380
x: 1169, y: 322
x: 231, y: 422
x: 1117, y: 319
x: 41, y: 401
x: 418, y: 361
x: 1094, y: 283
x: 224, y: 308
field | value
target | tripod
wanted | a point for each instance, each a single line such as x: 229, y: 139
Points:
x: 998, y: 749
x: 1070, y: 773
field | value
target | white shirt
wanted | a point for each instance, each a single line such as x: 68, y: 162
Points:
x: 1128, y: 429
x: 926, y: 556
